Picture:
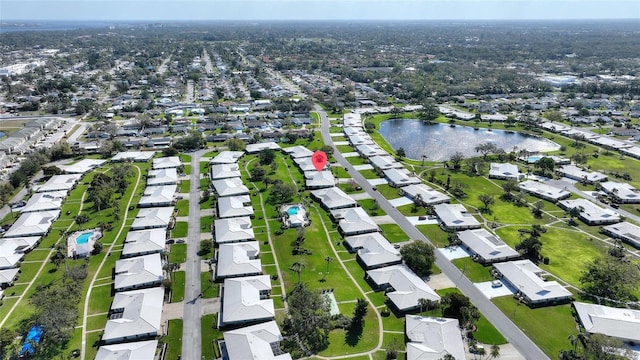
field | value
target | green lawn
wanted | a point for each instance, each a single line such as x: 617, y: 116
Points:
x: 356, y: 160
x: 180, y: 230
x: 369, y: 174
x: 178, y: 253
x: 345, y: 148
x: 342, y: 343
x: 412, y: 210
x: 205, y: 224
x: 210, y: 335
x: 372, y: 207
x: 209, y: 289
x: 185, y: 186
x: 473, y: 270
x: 183, y: 207
x: 173, y: 339
x: 387, y: 191
x: 340, y: 172
x: 393, y: 233
x: 187, y: 169
x: 550, y: 326
x: 177, y: 288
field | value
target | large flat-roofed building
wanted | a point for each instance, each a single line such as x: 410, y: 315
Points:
x: 625, y: 231
x: 162, y: 177
x: 400, y: 177
x: 234, y: 206
x: 455, y: 217
x: 51, y: 200
x: 134, y: 315
x: 424, y: 195
x: 354, y: 221
x: 319, y: 179
x: 527, y: 278
x: 82, y: 166
x: 621, y: 192
x: 367, y: 151
x: 156, y: 196
x: 32, y: 224
x: 374, y: 250
x: 591, y: 213
x: 246, y: 300
x: 333, y: 198
x: 487, y: 247
x: 144, y: 242
x: 384, y: 162
x: 238, y: 259
x: 620, y: 323
x: 403, y: 288
x: 224, y: 171
x: 504, y: 171
x: 169, y: 162
x: 64, y: 182
x: 544, y: 191
x: 433, y: 338
x: 575, y: 173
x: 259, y: 342
x: 151, y: 218
x: 138, y: 272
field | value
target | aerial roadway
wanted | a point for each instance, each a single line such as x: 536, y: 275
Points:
x: 506, y: 327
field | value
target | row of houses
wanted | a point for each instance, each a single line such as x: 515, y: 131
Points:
x: 247, y: 312
x: 24, y: 139
x: 624, y: 147
x: 135, y: 316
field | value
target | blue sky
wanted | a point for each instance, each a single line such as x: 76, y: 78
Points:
x: 317, y: 9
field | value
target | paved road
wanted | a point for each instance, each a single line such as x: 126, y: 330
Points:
x: 191, y: 333
x: 507, y: 328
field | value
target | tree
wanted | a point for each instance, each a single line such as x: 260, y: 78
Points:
x: 429, y: 112
x: 401, y: 153
x: 419, y: 257
x: 509, y: 187
x: 297, y: 267
x: 456, y: 159
x: 494, y: 352
x: 486, y: 200
x: 281, y: 193
x: 537, y: 209
x: 258, y: 173
x: 611, y: 278
x: 192, y: 141
x: 266, y: 156
x: 309, y: 319
x: 546, y: 165
x: 530, y: 248
x: 486, y: 149
x: 97, y: 248
x: 7, y: 336
x: 427, y: 304
x: 205, y: 247
x: 234, y: 144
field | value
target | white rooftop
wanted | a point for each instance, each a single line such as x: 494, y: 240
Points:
x: 227, y: 157
x: 623, y: 191
x: 234, y: 206
x: 455, y: 216
x: 576, y: 173
x: 51, y: 200
x: 368, y: 151
x: 408, y: 287
x: 333, y: 198
x: 621, y: 323
x: 162, y: 177
x: 257, y: 342
x: 298, y: 151
x: 158, y: 195
x: 504, y: 171
x: 139, y: 313
x: 544, y: 191
x: 233, y: 230
x: 229, y: 187
x: 138, y: 156
x: 169, y: 162
x: 244, y: 300
x: 144, y: 241
x: 139, y: 350
x: 626, y: 231
x: 374, y: 250
x: 590, y: 212
x: 525, y: 277
x: 149, y: 218
x: 7, y: 276
x: 257, y: 147
x: 138, y: 272
x: 59, y: 183
x: 384, y: 162
x: 400, y: 177
x: 428, y: 195
x: 319, y: 179
x: 238, y: 259
x: 432, y: 338
x: 353, y: 221
x: 32, y: 224
x: 224, y: 171
x: 488, y: 246
x: 82, y: 166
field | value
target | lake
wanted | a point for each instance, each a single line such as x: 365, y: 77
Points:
x: 439, y: 141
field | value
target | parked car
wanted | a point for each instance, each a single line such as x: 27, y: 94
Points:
x: 496, y: 284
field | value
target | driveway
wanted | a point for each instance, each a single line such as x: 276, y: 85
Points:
x: 490, y: 292
x: 455, y: 252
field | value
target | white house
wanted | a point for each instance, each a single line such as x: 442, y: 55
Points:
x: 487, y: 247
x: 455, y: 217
x: 298, y: 152
x: 374, y: 250
x: 400, y: 177
x: 354, y: 221
x: 150, y: 218
x: 138, y: 350
x: 156, y: 196
x: 136, y: 156
x: 424, y: 194
x: 402, y: 286
x: 504, y: 171
x: 134, y: 315
x: 51, y: 200
x: 237, y: 229
x: 621, y: 323
x: 229, y: 187
x: 319, y: 179
x: 234, y: 206
x: 32, y: 224
x: 433, y: 338
x: 527, y: 278
x: 238, y: 259
x: 333, y: 198
x: 64, y: 182
x: 260, y: 342
x: 162, y: 177
x: 8, y: 277
x: 138, y: 272
x: 544, y: 191
x: 625, y: 231
x: 169, y: 162
x: 82, y: 166
x: 246, y: 300
x: 257, y: 147
x: 144, y: 242
x: 591, y: 213
x: 621, y: 192
x: 224, y: 171
x: 384, y: 162
x: 575, y: 173
x: 227, y: 157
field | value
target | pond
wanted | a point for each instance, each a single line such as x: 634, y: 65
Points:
x: 437, y: 142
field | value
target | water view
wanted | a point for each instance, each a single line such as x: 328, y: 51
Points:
x: 438, y: 142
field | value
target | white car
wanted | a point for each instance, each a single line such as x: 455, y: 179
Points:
x: 496, y: 284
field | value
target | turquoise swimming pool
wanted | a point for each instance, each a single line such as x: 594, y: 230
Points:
x: 83, y: 238
x: 293, y: 210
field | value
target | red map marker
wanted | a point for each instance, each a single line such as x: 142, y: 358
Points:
x: 319, y: 159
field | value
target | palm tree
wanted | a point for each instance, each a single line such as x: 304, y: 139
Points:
x: 297, y: 268
x: 494, y: 352
x: 328, y: 260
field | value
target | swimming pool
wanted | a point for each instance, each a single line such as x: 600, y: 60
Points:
x: 533, y: 159
x: 293, y: 210
x: 83, y: 238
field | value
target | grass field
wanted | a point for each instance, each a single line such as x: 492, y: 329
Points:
x: 393, y: 233
x: 177, y: 288
x: 180, y: 230
x: 178, y: 253
x: 173, y: 339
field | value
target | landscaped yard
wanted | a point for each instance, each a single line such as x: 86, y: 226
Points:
x: 177, y: 286
x: 180, y: 230
x: 173, y: 339
x: 210, y: 335
x: 183, y: 207
x: 393, y: 233
x: 209, y: 289
x: 178, y: 253
x: 387, y: 191
x: 372, y: 207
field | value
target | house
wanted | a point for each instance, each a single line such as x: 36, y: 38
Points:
x: 455, y: 217
x: 400, y: 177
x: 528, y: 280
x: 155, y: 196
x: 367, y: 151
x: 575, y: 173
x: 625, y: 231
x: 81, y: 167
x: 134, y: 315
x: 246, y: 300
x: 170, y: 162
x: 333, y: 198
x: 138, y: 273
x: 257, y: 147
x: 433, y: 338
x: 621, y: 192
x: 306, y: 165
x: 403, y: 288
x: 224, y: 171
x: 354, y: 221
x: 51, y: 200
x: 32, y: 224
x: 137, y: 350
x: 384, y: 162
x: 234, y: 206
x: 227, y: 157
x: 135, y: 156
x: 59, y: 183
x: 487, y: 247
x: 238, y: 259
x: 150, y: 218
x: 504, y: 172
x: 298, y: 152
x: 8, y: 277
x: 590, y: 213
x: 374, y: 250
x: 424, y: 195
x: 319, y: 179
x: 360, y: 139
x: 162, y: 177
x: 544, y: 191
x: 237, y: 229
x: 261, y: 341
x: 620, y: 323
x: 229, y: 187
x: 144, y: 242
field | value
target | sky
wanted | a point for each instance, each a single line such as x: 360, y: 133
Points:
x: 317, y: 9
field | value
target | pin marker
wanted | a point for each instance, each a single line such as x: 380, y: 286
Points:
x: 319, y: 160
